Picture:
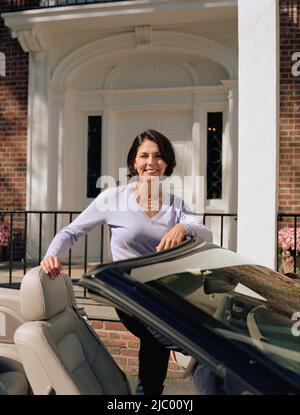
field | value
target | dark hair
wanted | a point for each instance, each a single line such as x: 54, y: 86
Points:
x: 165, y: 148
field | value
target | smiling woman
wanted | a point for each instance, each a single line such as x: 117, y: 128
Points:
x: 149, y: 161
x: 155, y: 145
x: 150, y: 157
x: 145, y: 219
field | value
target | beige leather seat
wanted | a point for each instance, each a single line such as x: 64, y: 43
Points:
x: 12, y: 378
x: 59, y: 353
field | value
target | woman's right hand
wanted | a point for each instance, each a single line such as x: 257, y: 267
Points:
x: 52, y: 266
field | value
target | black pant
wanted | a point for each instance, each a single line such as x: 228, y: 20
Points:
x: 153, y: 357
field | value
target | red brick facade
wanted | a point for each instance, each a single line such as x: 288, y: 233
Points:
x: 124, y: 347
x: 13, y: 123
x: 289, y: 167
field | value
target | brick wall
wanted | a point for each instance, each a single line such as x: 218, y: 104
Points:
x: 124, y: 347
x: 13, y: 122
x: 289, y: 168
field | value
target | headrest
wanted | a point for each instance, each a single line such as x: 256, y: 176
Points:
x: 42, y: 297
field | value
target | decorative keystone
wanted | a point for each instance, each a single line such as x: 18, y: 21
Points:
x: 143, y: 36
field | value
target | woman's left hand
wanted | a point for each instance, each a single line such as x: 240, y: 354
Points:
x: 172, y: 238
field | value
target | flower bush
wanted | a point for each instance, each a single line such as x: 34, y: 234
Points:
x: 4, y: 234
x: 286, y: 244
x: 286, y: 239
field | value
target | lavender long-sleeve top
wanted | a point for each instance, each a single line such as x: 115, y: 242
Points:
x: 133, y: 232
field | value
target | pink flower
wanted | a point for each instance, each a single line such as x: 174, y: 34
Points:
x: 4, y: 233
x: 286, y: 239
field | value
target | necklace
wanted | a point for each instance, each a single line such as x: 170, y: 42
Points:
x: 146, y: 201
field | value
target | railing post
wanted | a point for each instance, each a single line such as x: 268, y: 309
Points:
x: 101, y: 243
x: 222, y: 230
x: 11, y: 254
x: 25, y: 245
x: 279, y: 218
x: 40, y: 235
x: 70, y: 250
x: 55, y: 223
x: 85, y: 261
x: 295, y: 243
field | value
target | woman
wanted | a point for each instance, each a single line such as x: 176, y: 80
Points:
x: 142, y: 218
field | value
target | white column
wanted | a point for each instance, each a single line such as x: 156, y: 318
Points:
x: 258, y: 129
x: 198, y: 199
x: 108, y: 162
x: 37, y: 147
x: 56, y: 149
x: 230, y: 162
x: 109, y: 140
x: 230, y: 147
x: 37, y: 132
x: 36, y: 44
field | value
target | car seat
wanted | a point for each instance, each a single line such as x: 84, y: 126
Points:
x: 60, y: 353
x: 12, y: 377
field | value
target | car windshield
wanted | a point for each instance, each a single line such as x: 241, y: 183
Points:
x: 258, y: 306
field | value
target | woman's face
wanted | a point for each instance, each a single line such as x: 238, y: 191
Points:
x: 148, y: 161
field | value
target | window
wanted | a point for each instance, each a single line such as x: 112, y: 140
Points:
x: 214, y: 155
x: 94, y: 155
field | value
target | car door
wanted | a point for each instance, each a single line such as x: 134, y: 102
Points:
x: 243, y: 368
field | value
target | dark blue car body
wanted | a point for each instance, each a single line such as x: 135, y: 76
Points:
x: 223, y: 310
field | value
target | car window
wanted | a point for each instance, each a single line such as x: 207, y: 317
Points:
x: 255, y: 305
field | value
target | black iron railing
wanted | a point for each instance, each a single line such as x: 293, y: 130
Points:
x: 25, y: 226
x: 21, y: 5
x: 288, y: 243
x: 221, y: 217
x: 41, y: 226
x: 20, y: 226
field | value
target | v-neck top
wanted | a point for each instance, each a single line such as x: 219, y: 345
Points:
x: 133, y: 233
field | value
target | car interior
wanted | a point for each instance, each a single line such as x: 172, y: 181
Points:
x: 12, y: 376
x: 47, y: 347
x: 60, y: 353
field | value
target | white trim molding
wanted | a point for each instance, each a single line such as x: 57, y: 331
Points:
x: 121, y: 14
x: 31, y: 40
x: 125, y: 47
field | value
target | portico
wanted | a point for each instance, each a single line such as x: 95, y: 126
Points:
x: 141, y: 64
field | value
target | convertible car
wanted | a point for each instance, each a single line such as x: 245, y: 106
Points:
x: 240, y: 319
